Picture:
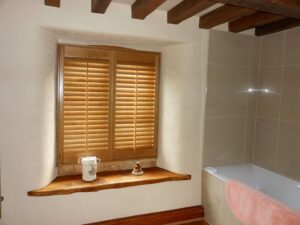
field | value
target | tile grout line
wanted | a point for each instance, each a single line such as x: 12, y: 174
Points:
x: 228, y: 65
x: 259, y: 117
x: 285, y: 121
x: 280, y: 103
x: 279, y: 66
x: 226, y: 117
x: 256, y: 100
x: 247, y: 104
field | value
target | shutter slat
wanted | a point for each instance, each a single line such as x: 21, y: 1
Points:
x: 119, y: 139
x: 129, y: 99
x: 73, y: 150
x: 97, y: 140
x: 93, y: 149
x: 74, y: 136
x: 96, y: 135
x: 74, y: 146
x: 144, y: 147
x: 142, y: 129
x: 124, y: 130
x: 96, y: 145
x: 124, y: 112
x: 98, y: 131
x: 75, y: 142
x: 125, y: 148
x: 74, y: 127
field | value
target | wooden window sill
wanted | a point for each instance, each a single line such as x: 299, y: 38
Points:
x: 107, y: 180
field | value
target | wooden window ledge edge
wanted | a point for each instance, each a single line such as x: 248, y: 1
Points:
x: 64, y: 185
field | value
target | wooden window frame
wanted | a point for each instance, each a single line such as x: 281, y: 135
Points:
x: 110, y: 53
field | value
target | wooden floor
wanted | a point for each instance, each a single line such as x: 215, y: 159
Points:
x: 196, y: 223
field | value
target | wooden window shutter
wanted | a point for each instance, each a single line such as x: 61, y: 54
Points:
x: 107, y: 103
x: 85, y: 105
x: 135, y: 105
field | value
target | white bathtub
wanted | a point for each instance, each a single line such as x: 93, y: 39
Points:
x: 276, y: 186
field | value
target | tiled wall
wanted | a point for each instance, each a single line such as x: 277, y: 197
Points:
x: 277, y: 129
x: 241, y: 126
x: 230, y: 108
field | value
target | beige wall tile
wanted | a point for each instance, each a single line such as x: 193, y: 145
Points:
x: 212, y: 214
x: 224, y: 141
x: 227, y: 216
x: 272, y: 49
x: 290, y: 106
x: 253, y: 83
x: 255, y: 48
x: 265, y: 143
x: 268, y: 103
x: 211, y: 198
x: 292, y: 48
x: 289, y: 150
x: 229, y: 49
x: 212, y: 188
x: 249, y: 139
x: 217, y: 211
x: 227, y: 90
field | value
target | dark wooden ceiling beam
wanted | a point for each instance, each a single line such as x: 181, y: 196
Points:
x: 187, y: 9
x: 223, y: 14
x: 287, y: 8
x: 140, y: 9
x: 252, y: 21
x: 99, y: 6
x: 54, y: 3
x: 277, y: 26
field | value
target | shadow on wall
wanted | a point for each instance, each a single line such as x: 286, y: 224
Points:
x: 180, y: 90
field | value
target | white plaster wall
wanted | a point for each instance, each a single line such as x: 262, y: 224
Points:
x: 27, y: 96
x: 180, y: 108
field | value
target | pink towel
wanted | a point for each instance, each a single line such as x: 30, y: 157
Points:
x: 254, y: 208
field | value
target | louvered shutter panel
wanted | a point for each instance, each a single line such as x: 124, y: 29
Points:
x: 86, y: 108
x: 107, y: 103
x: 135, y: 105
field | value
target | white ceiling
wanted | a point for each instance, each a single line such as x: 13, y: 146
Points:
x: 167, y: 5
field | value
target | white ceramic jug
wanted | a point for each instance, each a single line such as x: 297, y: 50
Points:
x: 89, y: 167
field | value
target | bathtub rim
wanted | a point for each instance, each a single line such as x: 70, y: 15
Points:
x: 256, y: 172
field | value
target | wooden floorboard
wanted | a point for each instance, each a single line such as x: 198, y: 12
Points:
x: 202, y: 222
x: 175, y: 216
